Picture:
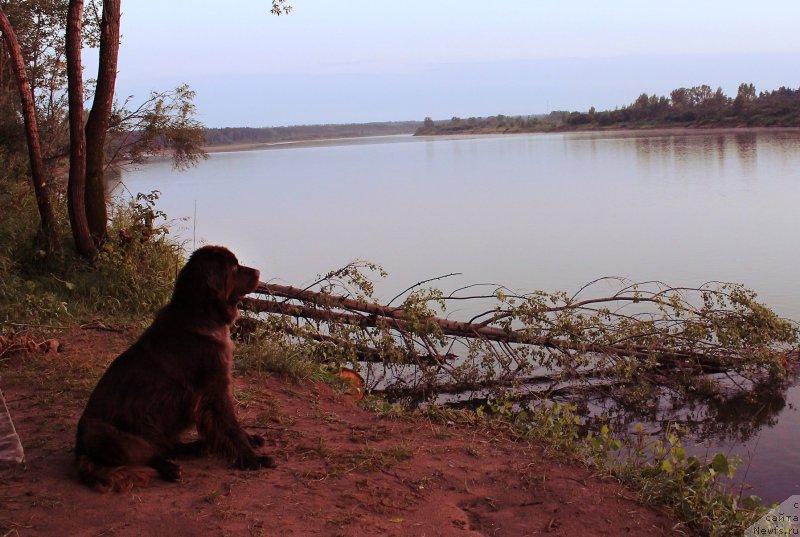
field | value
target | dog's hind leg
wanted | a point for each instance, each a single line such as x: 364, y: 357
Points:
x: 104, y: 451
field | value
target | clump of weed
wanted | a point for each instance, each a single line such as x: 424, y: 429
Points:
x: 267, y: 351
x: 369, y: 459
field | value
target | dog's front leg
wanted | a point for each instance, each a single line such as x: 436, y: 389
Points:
x: 219, y: 428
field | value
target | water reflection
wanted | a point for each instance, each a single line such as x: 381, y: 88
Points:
x: 722, y: 420
x: 698, y: 157
x: 746, y: 148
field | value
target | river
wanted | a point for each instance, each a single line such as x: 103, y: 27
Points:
x: 530, y: 211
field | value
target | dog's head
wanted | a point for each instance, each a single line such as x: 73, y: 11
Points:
x: 213, y: 282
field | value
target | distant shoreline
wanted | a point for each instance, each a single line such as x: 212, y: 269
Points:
x: 250, y: 146
x: 220, y: 139
x: 612, y: 128
x: 696, y: 107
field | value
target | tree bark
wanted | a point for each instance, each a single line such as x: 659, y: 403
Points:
x: 76, y: 189
x: 98, y: 121
x: 48, y: 220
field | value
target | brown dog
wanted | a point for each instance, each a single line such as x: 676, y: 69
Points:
x: 178, y: 374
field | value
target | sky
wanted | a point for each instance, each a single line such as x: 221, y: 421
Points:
x: 386, y: 60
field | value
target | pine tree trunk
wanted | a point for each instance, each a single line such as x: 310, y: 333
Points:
x: 48, y: 221
x: 97, y: 124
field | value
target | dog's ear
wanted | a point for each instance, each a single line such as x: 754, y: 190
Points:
x: 217, y: 278
x: 204, y: 278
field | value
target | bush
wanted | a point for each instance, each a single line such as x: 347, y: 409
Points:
x: 131, y: 278
x: 136, y: 268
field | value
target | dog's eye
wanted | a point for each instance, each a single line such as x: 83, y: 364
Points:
x: 235, y: 269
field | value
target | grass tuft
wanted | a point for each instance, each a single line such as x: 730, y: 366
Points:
x: 264, y: 351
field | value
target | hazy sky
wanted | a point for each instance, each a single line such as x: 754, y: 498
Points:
x: 378, y: 60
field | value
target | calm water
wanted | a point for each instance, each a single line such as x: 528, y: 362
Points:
x: 528, y: 211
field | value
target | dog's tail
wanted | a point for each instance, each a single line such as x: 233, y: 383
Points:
x: 106, y: 478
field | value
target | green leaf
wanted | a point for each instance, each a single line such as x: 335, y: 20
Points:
x: 720, y: 464
x: 752, y: 503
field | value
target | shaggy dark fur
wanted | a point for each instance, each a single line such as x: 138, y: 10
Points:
x: 177, y: 375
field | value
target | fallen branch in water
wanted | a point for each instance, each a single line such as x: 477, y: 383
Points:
x: 395, y: 318
x: 643, y: 334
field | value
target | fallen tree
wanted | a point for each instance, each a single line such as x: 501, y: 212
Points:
x: 642, y: 337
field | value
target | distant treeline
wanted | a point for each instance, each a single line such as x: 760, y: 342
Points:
x: 699, y: 106
x: 248, y: 135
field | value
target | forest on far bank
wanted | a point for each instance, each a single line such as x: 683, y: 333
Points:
x: 699, y: 106
x: 264, y: 135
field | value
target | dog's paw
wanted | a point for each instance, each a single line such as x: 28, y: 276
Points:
x: 265, y: 461
x: 256, y: 440
x: 254, y: 462
x: 168, y: 470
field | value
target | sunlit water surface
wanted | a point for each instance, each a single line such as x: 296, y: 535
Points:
x: 541, y: 211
